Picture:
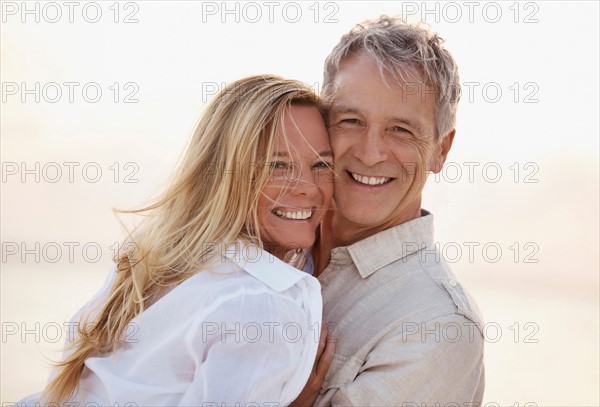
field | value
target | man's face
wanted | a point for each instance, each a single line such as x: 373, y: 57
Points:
x: 382, y: 136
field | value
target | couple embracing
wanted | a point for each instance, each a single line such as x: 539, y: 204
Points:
x: 311, y: 279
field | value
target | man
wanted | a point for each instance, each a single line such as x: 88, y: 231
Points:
x: 407, y: 332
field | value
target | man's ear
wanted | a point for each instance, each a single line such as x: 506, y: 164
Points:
x: 440, y: 153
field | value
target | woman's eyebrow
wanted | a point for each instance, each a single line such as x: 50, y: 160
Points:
x: 327, y: 153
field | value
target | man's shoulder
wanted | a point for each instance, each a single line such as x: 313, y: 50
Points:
x: 426, y: 288
x: 441, y: 274
x: 399, y: 275
x: 416, y: 254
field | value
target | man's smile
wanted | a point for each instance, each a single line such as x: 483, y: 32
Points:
x: 369, y: 180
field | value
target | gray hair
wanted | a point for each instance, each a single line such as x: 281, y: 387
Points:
x: 407, y: 52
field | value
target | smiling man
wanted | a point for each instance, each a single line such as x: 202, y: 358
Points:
x: 408, y: 334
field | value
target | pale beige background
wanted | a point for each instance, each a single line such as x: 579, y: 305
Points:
x: 170, y: 53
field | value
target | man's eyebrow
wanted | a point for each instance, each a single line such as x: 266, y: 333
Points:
x: 344, y: 109
x: 350, y: 109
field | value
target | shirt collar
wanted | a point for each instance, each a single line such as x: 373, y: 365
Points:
x: 390, y: 245
x: 264, y: 266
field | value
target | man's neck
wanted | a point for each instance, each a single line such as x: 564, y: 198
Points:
x: 324, y: 244
x: 335, y: 231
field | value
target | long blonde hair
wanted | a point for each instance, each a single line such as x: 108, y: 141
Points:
x: 211, y: 198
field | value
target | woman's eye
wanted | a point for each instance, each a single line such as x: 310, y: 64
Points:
x: 350, y: 121
x: 278, y: 165
x: 322, y: 165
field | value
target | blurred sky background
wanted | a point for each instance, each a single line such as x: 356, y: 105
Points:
x: 520, y: 188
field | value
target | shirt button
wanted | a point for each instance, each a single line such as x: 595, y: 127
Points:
x: 452, y: 283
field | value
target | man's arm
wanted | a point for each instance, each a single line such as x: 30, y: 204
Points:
x: 440, y: 361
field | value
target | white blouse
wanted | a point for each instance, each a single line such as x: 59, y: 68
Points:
x: 245, y: 333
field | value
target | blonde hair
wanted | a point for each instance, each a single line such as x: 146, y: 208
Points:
x: 211, y: 198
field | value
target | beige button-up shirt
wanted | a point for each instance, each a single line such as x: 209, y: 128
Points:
x: 408, y: 333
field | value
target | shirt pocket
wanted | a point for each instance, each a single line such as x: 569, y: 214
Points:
x: 343, y: 370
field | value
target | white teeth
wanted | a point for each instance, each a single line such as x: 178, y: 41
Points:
x: 363, y: 179
x: 300, y: 215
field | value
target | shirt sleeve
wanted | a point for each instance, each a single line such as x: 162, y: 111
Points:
x: 438, y: 362
x: 249, y: 352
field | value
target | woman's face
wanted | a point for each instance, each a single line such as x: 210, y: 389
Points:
x: 300, y: 185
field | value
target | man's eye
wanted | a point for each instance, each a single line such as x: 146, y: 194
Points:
x: 351, y: 121
x: 399, y: 129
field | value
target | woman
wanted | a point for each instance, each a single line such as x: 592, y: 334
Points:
x: 204, y: 310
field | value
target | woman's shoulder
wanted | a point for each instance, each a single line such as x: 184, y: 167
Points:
x: 244, y: 280
x: 253, y: 277
x: 269, y: 270
x: 256, y: 262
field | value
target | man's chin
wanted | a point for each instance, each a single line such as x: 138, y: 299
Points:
x: 366, y: 217
x: 374, y: 216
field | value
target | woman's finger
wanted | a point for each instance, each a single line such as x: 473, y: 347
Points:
x: 326, y: 358
x: 322, y: 343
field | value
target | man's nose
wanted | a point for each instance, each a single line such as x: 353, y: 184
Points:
x: 371, y: 149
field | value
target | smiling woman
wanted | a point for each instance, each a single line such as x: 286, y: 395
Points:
x: 233, y: 321
x: 301, y: 182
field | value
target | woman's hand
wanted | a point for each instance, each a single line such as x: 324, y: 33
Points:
x: 322, y: 363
